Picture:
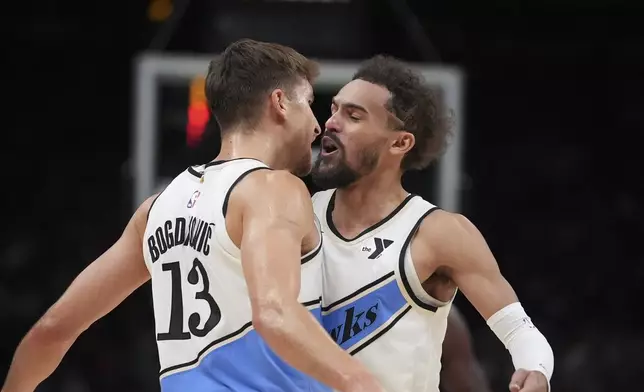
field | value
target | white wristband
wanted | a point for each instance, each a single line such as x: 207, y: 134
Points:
x: 527, y: 346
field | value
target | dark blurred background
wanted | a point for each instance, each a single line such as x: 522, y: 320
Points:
x: 552, y: 167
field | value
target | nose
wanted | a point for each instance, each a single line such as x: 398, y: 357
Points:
x: 317, y: 131
x: 332, y: 124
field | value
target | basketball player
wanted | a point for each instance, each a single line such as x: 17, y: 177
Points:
x: 232, y: 248
x: 393, y: 261
x: 460, y: 370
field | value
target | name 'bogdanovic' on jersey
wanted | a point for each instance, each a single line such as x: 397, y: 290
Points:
x: 373, y: 303
x: 202, y: 311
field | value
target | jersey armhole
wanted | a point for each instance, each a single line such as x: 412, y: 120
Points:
x: 408, y: 276
x: 146, y: 255
x: 314, y: 252
x: 147, y: 217
x: 229, y: 246
x: 224, y: 207
x: 221, y: 233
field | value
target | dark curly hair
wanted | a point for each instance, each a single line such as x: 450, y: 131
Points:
x: 413, y: 101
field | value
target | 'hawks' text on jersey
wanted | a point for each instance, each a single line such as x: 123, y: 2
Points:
x: 373, y: 304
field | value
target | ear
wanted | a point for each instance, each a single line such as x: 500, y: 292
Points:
x: 402, y: 143
x: 278, y: 104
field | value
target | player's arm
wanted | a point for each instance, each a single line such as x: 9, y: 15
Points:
x: 459, y: 247
x: 103, y: 285
x: 277, y: 214
x: 460, y: 371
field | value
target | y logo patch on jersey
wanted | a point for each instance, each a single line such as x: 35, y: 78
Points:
x: 381, y: 245
x: 193, y: 199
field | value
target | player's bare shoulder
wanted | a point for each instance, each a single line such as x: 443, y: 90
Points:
x: 432, y: 251
x: 442, y: 230
x: 427, y: 243
x: 274, y: 195
x: 450, y: 241
x: 445, y: 242
x: 282, y: 182
x: 270, y: 187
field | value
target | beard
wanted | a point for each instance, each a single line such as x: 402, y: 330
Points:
x: 335, y: 171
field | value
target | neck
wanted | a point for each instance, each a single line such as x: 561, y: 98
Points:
x: 369, y: 200
x: 251, y: 143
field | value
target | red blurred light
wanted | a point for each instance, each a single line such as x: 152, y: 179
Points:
x: 198, y: 116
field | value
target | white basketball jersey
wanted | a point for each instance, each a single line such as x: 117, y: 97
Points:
x: 202, y: 311
x: 373, y: 303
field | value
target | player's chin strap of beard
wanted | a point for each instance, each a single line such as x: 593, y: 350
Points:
x: 528, y: 347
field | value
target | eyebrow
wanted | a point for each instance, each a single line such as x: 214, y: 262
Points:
x: 349, y: 105
x: 397, y: 122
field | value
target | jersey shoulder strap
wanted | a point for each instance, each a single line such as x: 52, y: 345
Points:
x: 321, y: 201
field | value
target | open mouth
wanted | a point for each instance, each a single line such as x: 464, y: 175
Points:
x: 329, y: 147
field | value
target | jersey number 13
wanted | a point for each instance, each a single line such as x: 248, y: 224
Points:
x: 176, y: 330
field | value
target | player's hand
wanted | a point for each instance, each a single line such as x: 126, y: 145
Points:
x: 527, y: 381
